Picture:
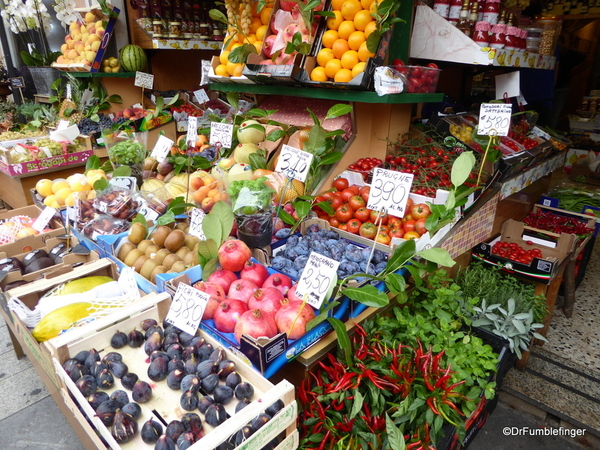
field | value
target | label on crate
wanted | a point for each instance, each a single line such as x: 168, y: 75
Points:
x: 187, y: 308
x: 294, y: 163
x: 144, y: 80
x: 147, y: 212
x: 494, y: 119
x: 201, y: 96
x: 192, y: 131
x: 389, y: 191
x: 316, y: 278
x: 196, y: 220
x: 161, y: 148
x: 537, y: 131
x: 221, y: 134
x: 43, y: 219
x: 124, y: 182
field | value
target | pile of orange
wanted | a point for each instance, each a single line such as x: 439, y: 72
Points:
x: 258, y: 32
x: 344, y: 53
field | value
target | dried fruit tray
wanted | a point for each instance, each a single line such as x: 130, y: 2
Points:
x: 165, y: 402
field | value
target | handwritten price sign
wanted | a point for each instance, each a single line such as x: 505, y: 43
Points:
x: 221, y: 134
x: 389, y: 191
x: 294, y: 162
x: 494, y: 118
x: 161, y: 148
x: 144, y: 80
x: 201, y: 96
x: 316, y: 278
x: 187, y: 308
x: 196, y: 224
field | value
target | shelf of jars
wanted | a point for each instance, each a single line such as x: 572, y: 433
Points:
x: 169, y: 41
x: 435, y: 38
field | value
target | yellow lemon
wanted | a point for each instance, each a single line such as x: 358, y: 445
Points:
x: 59, y: 184
x: 343, y: 76
x: 49, y: 200
x: 261, y: 32
x: 62, y: 195
x: 81, y: 186
x: 224, y: 57
x: 44, y: 187
x: 221, y: 70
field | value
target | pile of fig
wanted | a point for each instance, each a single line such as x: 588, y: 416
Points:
x: 207, y: 380
x: 166, y: 250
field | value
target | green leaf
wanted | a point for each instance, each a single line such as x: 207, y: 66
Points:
x: 166, y: 218
x: 217, y: 15
x: 395, y: 282
x: 100, y: 184
x: 212, y: 228
x: 367, y: 295
x: 257, y: 161
x: 395, y: 436
x: 233, y: 98
x: 257, y: 112
x: 93, y: 162
x: 343, y: 339
x: 302, y: 208
x: 326, y: 207
x: 208, y: 249
x: 114, y: 99
x: 401, y: 255
x: 416, y: 274
x: 222, y: 211
x: 356, y: 404
x: 275, y: 135
x: 373, y: 41
x: 122, y: 171
x: 141, y: 219
x: 438, y: 256
x: 95, y: 118
x: 209, y: 267
x: 331, y: 158
x: 462, y: 167
x: 338, y: 110
x: 286, y: 217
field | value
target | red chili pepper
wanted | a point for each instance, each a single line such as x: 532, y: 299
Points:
x: 432, y: 406
x: 453, y: 406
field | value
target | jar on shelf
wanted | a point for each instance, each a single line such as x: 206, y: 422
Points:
x: 491, y: 11
x: 482, y: 34
x: 497, y: 39
x: 158, y: 30
x: 522, y: 39
x: 511, y: 39
x: 442, y: 7
x: 174, y: 29
x: 550, y: 27
x: 454, y: 11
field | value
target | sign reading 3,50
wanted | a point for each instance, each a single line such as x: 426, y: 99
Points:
x: 389, y: 191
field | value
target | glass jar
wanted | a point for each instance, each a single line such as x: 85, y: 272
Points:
x: 442, y: 7
x: 511, y: 39
x: 497, y: 39
x: 482, y: 34
x: 174, y: 29
x: 550, y: 32
x: 491, y: 11
x: 158, y: 30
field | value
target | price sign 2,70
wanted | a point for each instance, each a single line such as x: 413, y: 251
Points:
x: 389, y: 191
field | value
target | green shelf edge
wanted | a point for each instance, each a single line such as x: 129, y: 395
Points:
x: 103, y: 74
x: 327, y: 94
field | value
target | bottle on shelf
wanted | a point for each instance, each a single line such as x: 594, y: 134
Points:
x: 442, y: 7
x: 205, y: 31
x: 491, y: 11
x: 502, y: 17
x: 454, y: 11
x: 468, y: 19
x: 510, y: 20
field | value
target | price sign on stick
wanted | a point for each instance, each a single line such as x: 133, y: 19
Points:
x: 201, y: 96
x: 294, y: 162
x: 148, y: 212
x: 389, y: 191
x: 144, y: 80
x: 124, y: 182
x: 494, y: 118
x: 161, y: 148
x: 187, y: 308
x: 42, y: 221
x: 221, y: 134
x: 316, y: 278
x: 196, y: 223
x: 192, y: 131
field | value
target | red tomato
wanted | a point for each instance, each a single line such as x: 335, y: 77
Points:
x: 343, y: 226
x: 383, y: 238
x: 336, y: 201
x: 394, y: 221
x: 356, y: 202
x: 340, y: 183
x: 344, y: 213
x: 363, y: 214
x: 420, y: 227
x: 334, y: 222
x: 396, y: 232
x: 354, y: 188
x: 354, y: 226
x: 377, y: 217
x: 409, y: 225
x: 420, y: 211
x: 364, y: 193
x: 347, y: 193
x: 409, y: 204
x: 368, y: 230
x: 384, y: 228
x: 407, y: 217
x: 433, y: 65
x: 411, y: 235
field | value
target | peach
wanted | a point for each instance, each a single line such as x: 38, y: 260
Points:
x: 90, y: 56
x: 99, y: 32
x: 89, y: 17
x: 64, y: 48
x: 95, y: 46
x: 71, y: 44
x: 72, y: 54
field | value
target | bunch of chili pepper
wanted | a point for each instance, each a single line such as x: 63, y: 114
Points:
x: 548, y: 221
x: 337, y: 401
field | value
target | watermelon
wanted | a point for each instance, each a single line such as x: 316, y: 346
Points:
x: 133, y: 58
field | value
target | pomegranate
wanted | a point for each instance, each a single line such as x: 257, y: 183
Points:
x: 279, y: 281
x: 292, y: 318
x: 223, y: 278
x: 291, y: 295
x: 233, y: 254
x: 268, y: 300
x: 227, y: 315
x: 211, y: 308
x: 255, y: 272
x: 217, y: 295
x: 256, y: 324
x: 241, y: 290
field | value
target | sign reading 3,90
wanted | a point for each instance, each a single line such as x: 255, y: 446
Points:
x: 389, y: 191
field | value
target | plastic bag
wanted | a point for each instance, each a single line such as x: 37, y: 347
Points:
x: 118, y: 202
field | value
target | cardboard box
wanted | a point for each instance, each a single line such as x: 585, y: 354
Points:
x: 35, y: 241
x: 214, y: 78
x: 541, y: 270
x: 165, y: 401
x: 281, y: 74
x: 95, y: 66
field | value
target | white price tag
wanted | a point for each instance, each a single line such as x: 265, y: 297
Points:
x: 69, y: 89
x: 161, y: 148
x: 294, y: 162
x: 316, y: 278
x: 205, y: 71
x: 537, y: 131
x: 494, y: 118
x: 221, y: 134
x: 187, y: 308
x: 201, y: 96
x: 144, y: 80
x: 389, y: 191
x: 62, y: 124
x: 192, y: 131
x: 42, y: 221
x: 73, y: 211
x: 124, y: 182
x: 196, y: 223
x: 148, y: 212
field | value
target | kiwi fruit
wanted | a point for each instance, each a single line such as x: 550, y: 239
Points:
x: 132, y: 257
x: 191, y: 259
x: 124, y: 250
x: 175, y: 240
x: 142, y: 246
x: 147, y: 268
x: 191, y: 241
x: 137, y: 265
x: 137, y: 233
x: 160, y: 235
x: 160, y: 255
x: 156, y: 271
x: 178, y: 266
x: 151, y: 250
x: 181, y: 226
x: 182, y: 252
x: 170, y: 260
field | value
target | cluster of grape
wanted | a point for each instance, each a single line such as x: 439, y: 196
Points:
x: 87, y: 126
x: 13, y: 135
x: 54, y: 147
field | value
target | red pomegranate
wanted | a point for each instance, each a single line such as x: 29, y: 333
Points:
x: 292, y: 318
x: 217, y: 295
x: 291, y: 294
x: 255, y: 272
x: 279, y: 281
x: 222, y: 277
x: 268, y: 300
x: 256, y: 324
x: 233, y: 254
x: 241, y: 290
x: 227, y: 315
